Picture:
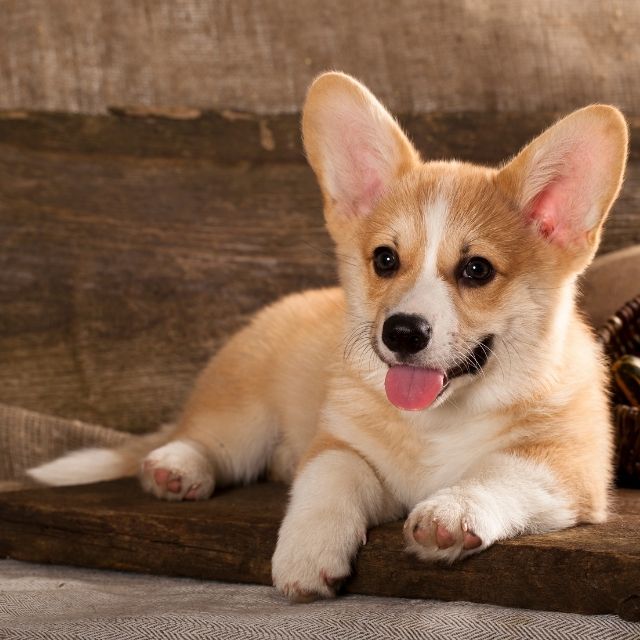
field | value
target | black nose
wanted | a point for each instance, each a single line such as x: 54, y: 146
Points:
x: 406, y: 334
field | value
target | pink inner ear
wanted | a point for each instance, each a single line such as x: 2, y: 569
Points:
x: 561, y: 209
x: 367, y: 191
x: 362, y: 158
x: 361, y: 175
x: 545, y: 212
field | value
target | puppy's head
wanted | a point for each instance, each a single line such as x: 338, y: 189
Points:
x: 452, y: 270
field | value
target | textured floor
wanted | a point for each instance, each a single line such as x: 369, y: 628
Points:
x: 56, y: 603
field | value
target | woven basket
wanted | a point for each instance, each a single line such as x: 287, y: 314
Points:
x: 621, y: 336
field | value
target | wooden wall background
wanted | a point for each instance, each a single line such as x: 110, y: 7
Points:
x: 418, y: 55
x: 134, y: 239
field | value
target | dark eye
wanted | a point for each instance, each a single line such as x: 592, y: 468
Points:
x: 477, y: 271
x: 385, y: 261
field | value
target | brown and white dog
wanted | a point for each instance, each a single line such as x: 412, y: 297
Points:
x: 450, y: 378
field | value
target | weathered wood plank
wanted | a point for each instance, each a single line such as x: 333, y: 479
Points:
x: 119, y: 277
x: 588, y: 569
x: 122, y: 266
x: 230, y: 136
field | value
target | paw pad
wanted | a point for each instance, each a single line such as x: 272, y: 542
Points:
x: 471, y: 540
x: 177, y: 471
x: 440, y: 528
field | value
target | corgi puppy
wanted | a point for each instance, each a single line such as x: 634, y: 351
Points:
x: 449, y: 380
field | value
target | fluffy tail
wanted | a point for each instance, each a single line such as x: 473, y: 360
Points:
x: 97, y: 465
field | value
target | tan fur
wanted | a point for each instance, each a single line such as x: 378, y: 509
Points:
x: 523, y: 446
x: 321, y: 443
x: 280, y: 393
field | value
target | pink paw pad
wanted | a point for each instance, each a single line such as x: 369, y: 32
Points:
x: 421, y: 534
x: 161, y: 476
x: 471, y: 540
x: 174, y: 485
x: 165, y: 480
x: 444, y: 538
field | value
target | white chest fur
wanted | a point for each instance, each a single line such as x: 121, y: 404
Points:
x: 417, y: 454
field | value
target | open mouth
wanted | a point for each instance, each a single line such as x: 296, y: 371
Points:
x: 474, y: 361
x: 415, y: 388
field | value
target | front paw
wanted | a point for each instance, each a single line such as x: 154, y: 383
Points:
x: 446, y: 527
x: 308, y: 565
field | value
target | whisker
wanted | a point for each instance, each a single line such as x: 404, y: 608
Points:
x: 486, y: 348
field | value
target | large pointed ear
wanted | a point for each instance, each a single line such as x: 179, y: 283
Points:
x: 565, y: 181
x: 354, y: 146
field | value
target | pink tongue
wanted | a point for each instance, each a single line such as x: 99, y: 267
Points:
x: 412, y: 388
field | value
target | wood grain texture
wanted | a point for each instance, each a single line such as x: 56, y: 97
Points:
x: 131, y: 247
x: 118, y: 278
x: 588, y: 569
x: 419, y: 56
x: 231, y: 137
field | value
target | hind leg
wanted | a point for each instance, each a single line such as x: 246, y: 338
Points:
x: 209, y: 448
x: 225, y: 434
x: 256, y: 404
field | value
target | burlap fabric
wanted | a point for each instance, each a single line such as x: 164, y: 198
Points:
x: 58, y: 603
x: 417, y: 55
x: 28, y: 438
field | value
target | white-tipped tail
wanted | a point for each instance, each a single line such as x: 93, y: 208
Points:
x: 83, y: 467
x: 97, y: 465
